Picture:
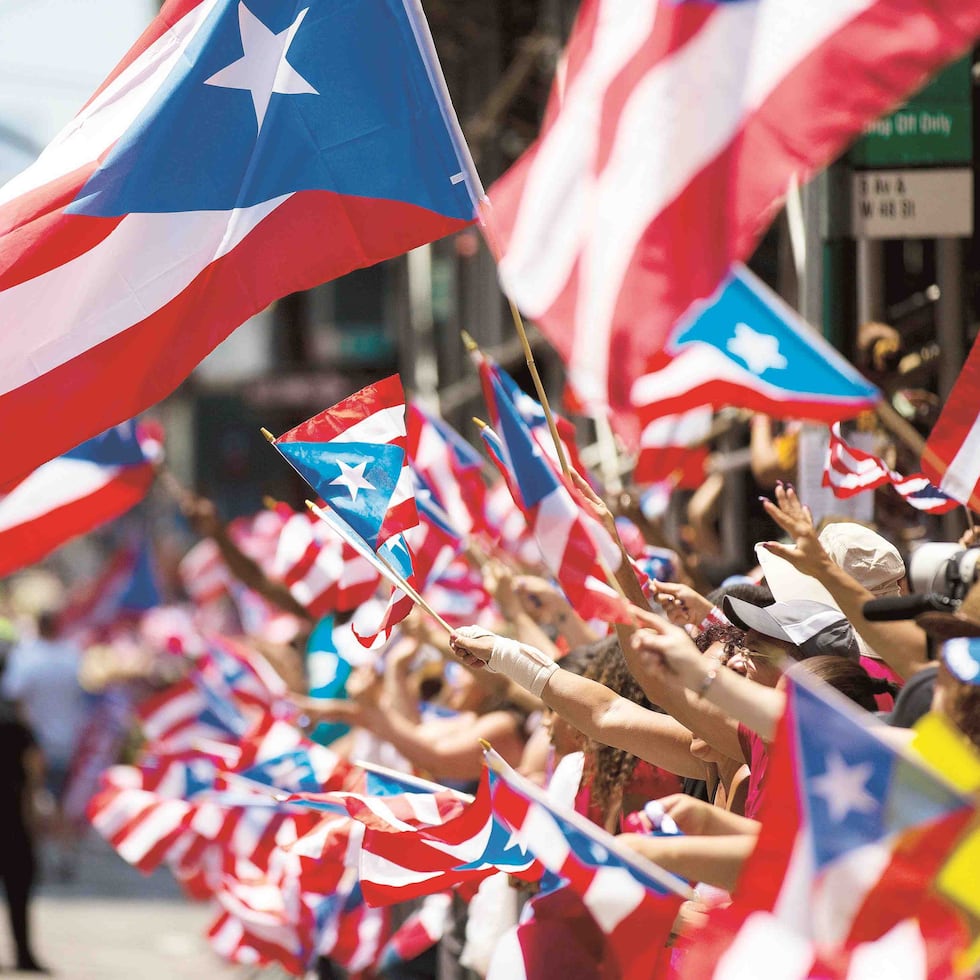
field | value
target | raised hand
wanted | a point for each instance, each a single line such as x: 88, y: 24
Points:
x: 472, y: 645
x: 668, y: 652
x: 682, y: 605
x: 807, y: 554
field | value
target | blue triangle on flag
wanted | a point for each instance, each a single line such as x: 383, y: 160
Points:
x: 117, y: 446
x: 356, y: 479
x: 533, y: 474
x: 141, y: 592
x: 768, y: 341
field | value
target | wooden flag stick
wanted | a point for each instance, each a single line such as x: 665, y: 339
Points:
x: 969, y: 520
x: 538, y: 386
x: 379, y: 564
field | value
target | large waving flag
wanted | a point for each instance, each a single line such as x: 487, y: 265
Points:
x: 853, y: 836
x: 75, y: 493
x: 673, y: 133
x: 242, y: 150
x: 745, y: 347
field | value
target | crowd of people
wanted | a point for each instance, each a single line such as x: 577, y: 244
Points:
x: 662, y: 722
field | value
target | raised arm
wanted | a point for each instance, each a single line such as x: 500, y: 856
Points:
x: 901, y: 644
x: 593, y: 708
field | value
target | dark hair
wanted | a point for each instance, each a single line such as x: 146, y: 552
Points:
x: 580, y: 658
x: 725, y: 633
x: 608, y: 770
x: 48, y: 624
x: 758, y: 595
x: 848, y: 677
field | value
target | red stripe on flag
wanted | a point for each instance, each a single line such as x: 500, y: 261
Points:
x: 24, y: 544
x: 182, y: 333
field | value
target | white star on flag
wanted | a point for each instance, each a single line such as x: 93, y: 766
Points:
x: 352, y: 477
x: 760, y: 351
x: 843, y: 788
x: 263, y: 70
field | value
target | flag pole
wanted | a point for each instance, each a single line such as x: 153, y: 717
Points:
x: 538, y: 386
x: 365, y: 551
x: 380, y: 565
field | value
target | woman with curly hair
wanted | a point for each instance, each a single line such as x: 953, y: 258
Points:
x: 615, y: 782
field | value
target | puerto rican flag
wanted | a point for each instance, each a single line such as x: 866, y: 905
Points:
x: 576, y: 549
x: 242, y: 150
x: 323, y: 572
x: 450, y: 467
x: 849, y: 471
x: 354, y: 455
x: 745, y: 347
x: 400, y: 860
x: 672, y: 135
x: 633, y: 901
x: 853, y: 835
x: 951, y: 457
x: 75, y: 493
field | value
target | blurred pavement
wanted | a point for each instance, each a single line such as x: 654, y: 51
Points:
x: 112, y: 923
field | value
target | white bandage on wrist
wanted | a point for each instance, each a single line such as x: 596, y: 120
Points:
x: 523, y: 664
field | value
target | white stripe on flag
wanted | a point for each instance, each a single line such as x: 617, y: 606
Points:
x: 960, y: 479
x: 899, y: 955
x: 555, y: 211
x: 139, y: 268
x: 764, y: 949
x: 381, y: 871
x: 53, y: 485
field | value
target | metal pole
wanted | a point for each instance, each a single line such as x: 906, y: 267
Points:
x: 870, y: 280
x: 949, y: 336
x: 810, y: 290
x: 425, y: 367
x: 949, y: 312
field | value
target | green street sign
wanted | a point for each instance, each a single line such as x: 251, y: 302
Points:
x: 935, y: 127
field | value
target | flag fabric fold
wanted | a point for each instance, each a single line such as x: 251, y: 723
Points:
x: 93, y: 483
x: 849, y: 471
